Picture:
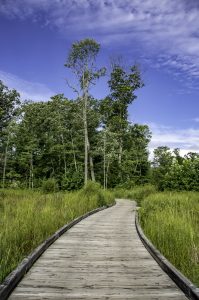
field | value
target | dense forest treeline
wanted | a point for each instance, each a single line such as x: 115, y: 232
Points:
x: 41, y: 140
x: 63, y: 143
x: 171, y: 171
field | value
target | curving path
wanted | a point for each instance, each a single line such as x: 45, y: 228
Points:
x: 101, y: 257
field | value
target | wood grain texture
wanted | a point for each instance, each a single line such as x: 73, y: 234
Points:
x: 101, y: 257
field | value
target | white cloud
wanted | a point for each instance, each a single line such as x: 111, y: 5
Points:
x: 195, y: 120
x: 28, y: 90
x: 186, y: 139
x: 166, y: 26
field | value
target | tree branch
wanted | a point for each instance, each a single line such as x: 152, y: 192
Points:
x: 75, y: 90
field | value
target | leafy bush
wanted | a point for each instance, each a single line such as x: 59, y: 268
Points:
x: 49, y: 185
x: 73, y: 181
x: 15, y: 184
x: 93, y: 189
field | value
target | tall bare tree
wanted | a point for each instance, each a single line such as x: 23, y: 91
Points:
x: 81, y: 61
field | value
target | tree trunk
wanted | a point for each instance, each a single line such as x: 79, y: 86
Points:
x: 120, y: 153
x: 85, y: 150
x: 107, y: 170
x: 64, y: 154
x: 91, y: 161
x: 104, y: 160
x: 92, y: 168
x: 86, y: 139
x: 74, y: 156
x: 5, y: 161
x: 31, y: 183
x: 85, y: 99
x: 137, y: 161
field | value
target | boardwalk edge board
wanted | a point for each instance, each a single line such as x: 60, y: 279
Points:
x: 190, y: 290
x: 16, y: 275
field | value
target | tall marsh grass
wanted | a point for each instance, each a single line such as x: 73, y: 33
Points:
x: 27, y: 218
x: 138, y: 193
x: 171, y: 221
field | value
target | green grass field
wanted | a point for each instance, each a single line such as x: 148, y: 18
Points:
x: 27, y: 218
x: 171, y: 221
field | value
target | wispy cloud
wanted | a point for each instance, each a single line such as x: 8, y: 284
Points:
x: 167, y: 27
x: 186, y: 139
x: 28, y: 90
x: 196, y: 120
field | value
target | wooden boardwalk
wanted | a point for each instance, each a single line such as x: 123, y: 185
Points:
x: 101, y: 257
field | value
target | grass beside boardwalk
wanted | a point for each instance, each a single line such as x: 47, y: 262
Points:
x: 27, y: 218
x: 138, y: 193
x: 171, y: 221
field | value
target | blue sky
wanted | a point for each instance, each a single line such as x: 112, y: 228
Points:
x: 161, y: 35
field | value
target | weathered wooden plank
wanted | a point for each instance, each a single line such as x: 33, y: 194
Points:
x: 101, y: 257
